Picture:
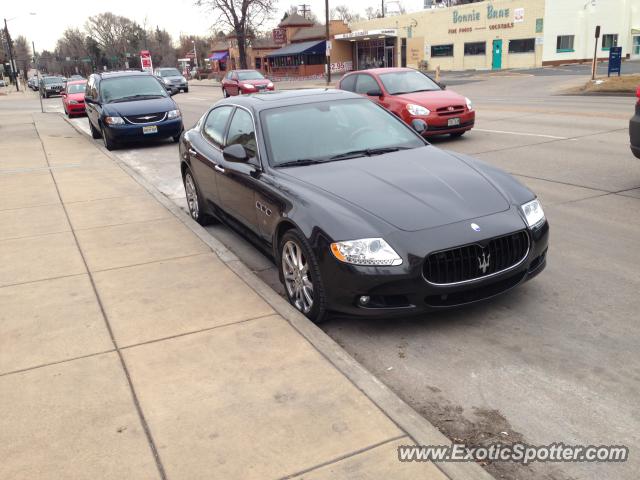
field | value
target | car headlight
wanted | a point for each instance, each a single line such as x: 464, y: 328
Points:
x: 248, y: 86
x: 469, y: 104
x: 166, y: 80
x: 533, y: 213
x: 171, y: 114
x: 414, y: 109
x: 270, y: 85
x: 114, y: 121
x: 183, y: 79
x: 366, y: 251
x: 73, y: 102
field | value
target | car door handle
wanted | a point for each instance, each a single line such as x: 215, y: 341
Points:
x: 192, y: 151
x: 218, y: 168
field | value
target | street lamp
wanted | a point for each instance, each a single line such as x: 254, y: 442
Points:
x: 14, y: 69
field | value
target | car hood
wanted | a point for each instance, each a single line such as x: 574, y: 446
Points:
x: 411, y: 189
x: 435, y: 99
x: 140, y: 107
x: 174, y: 77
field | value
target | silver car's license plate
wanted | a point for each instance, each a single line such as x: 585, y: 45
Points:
x: 453, y: 122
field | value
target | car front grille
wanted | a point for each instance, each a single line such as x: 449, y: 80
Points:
x: 477, y: 260
x: 146, y: 118
x: 450, y: 110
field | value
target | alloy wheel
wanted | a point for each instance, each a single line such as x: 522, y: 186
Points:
x: 297, y: 280
x: 192, y: 195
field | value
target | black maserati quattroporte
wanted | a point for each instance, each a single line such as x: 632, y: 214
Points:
x: 362, y: 215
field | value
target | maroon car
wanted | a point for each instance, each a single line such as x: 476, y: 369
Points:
x: 237, y: 82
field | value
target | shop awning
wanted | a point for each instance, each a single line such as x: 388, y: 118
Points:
x: 303, y: 48
x: 219, y: 55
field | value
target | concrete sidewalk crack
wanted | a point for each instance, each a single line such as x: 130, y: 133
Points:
x: 134, y: 395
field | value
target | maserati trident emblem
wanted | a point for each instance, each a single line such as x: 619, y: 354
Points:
x: 475, y: 227
x: 483, y: 262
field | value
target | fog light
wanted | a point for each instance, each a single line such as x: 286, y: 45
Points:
x: 364, y: 299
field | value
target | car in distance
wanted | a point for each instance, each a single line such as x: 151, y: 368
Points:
x: 359, y: 222
x: 171, y: 77
x: 73, y: 97
x: 32, y: 83
x: 130, y: 105
x: 75, y: 77
x: 634, y: 127
x: 51, y: 85
x: 2, y: 82
x: 238, y: 82
x: 411, y: 94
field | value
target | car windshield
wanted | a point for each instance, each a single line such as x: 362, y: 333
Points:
x: 333, y: 130
x: 53, y: 80
x: 76, y: 88
x: 170, y: 72
x: 253, y: 75
x: 407, y: 81
x: 134, y: 87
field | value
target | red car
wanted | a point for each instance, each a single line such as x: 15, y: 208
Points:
x: 412, y: 95
x: 73, y: 97
x: 237, y: 82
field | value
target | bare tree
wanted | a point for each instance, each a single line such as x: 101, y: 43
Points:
x: 342, y: 12
x: 115, y: 35
x: 372, y: 13
x: 202, y: 44
x: 22, y: 51
x: 160, y: 45
x: 242, y: 17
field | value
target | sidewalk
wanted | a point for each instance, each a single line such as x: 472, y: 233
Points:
x: 130, y: 350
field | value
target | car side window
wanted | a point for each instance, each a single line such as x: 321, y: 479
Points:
x: 241, y: 131
x: 89, y: 87
x: 215, y: 124
x: 365, y: 84
x: 348, y: 83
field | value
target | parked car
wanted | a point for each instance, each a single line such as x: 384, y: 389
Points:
x: 51, y: 85
x: 237, y: 82
x: 411, y: 94
x: 130, y: 105
x: 2, y: 82
x: 73, y: 97
x: 362, y: 215
x: 75, y: 77
x: 634, y: 127
x: 171, y: 77
x: 32, y: 83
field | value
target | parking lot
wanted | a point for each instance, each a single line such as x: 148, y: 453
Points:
x: 553, y: 361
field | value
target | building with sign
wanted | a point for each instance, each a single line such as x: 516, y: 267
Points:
x: 497, y: 34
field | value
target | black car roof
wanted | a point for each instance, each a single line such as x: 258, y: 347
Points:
x: 282, y: 98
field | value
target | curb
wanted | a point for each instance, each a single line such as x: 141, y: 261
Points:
x: 406, y: 418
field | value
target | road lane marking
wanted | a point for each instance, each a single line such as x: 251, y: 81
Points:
x: 521, y: 133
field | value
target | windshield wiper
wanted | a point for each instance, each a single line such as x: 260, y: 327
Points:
x: 135, y: 97
x: 301, y: 162
x: 367, y: 152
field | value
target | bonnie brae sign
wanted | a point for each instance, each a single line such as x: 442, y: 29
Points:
x: 474, y: 15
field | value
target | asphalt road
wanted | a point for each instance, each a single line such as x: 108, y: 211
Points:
x: 553, y: 361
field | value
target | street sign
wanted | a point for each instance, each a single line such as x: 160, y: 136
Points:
x: 145, y: 61
x: 615, y: 61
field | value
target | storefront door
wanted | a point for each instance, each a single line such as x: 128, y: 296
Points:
x: 496, y: 62
x: 388, y: 56
x: 635, y: 49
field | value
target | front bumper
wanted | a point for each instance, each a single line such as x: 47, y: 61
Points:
x: 403, y: 290
x: 439, y: 124
x: 75, y: 107
x: 166, y: 128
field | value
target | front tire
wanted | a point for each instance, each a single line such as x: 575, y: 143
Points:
x: 109, y: 144
x: 301, y: 274
x: 225, y: 94
x: 195, y: 202
x: 95, y: 134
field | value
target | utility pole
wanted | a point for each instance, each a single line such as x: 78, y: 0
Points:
x: 195, y: 54
x: 595, y: 54
x: 382, y: 8
x: 14, y: 73
x: 327, y: 40
x: 35, y: 59
x: 304, y: 8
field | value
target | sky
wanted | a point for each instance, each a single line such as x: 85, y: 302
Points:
x: 180, y: 16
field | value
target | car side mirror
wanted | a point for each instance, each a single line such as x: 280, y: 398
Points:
x: 442, y: 85
x: 173, y: 91
x: 374, y: 93
x: 419, y: 126
x: 235, y: 153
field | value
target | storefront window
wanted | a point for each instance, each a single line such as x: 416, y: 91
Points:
x: 564, y: 43
x: 475, y: 48
x: 370, y: 54
x: 609, y: 40
x: 442, y: 50
x: 525, y: 45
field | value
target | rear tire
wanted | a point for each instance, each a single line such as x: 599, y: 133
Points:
x: 186, y: 90
x: 195, y: 202
x: 301, y: 273
x: 95, y: 134
x: 224, y: 93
